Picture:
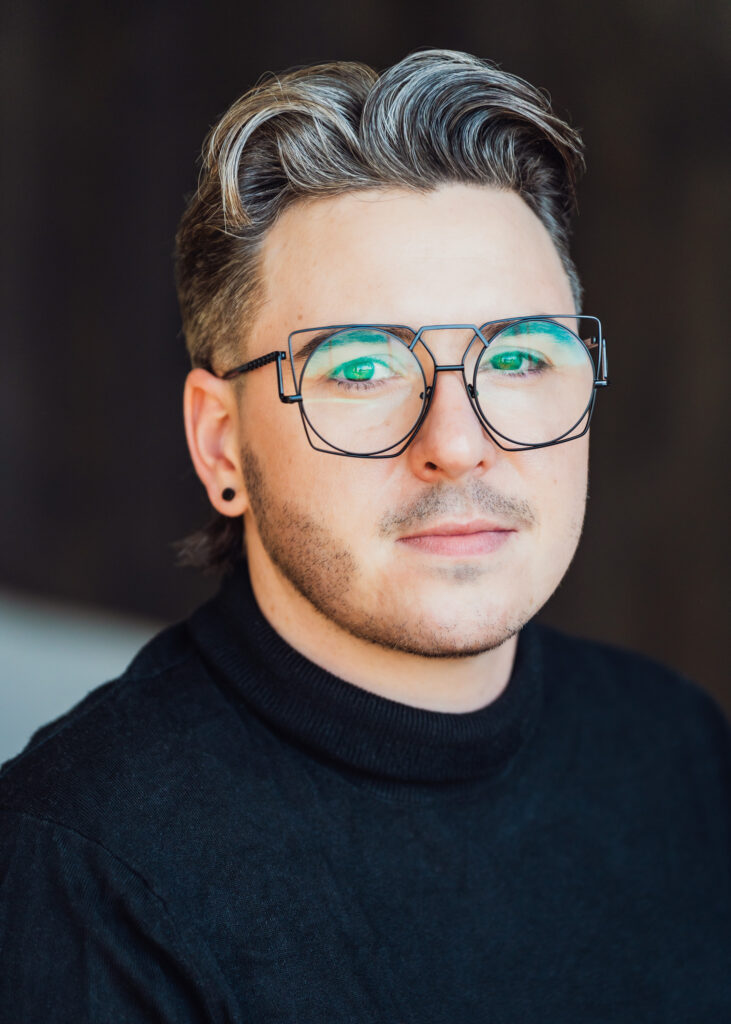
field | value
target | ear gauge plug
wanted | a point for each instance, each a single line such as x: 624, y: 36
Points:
x: 228, y: 494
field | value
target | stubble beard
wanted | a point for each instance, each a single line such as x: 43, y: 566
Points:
x: 326, y: 573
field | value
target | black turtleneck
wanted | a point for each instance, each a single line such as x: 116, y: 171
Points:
x: 229, y: 833
x: 390, y: 743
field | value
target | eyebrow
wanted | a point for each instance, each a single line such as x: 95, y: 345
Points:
x: 405, y: 334
x: 548, y: 326
x: 538, y: 326
x: 489, y: 330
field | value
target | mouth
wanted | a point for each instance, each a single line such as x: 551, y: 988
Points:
x: 476, y: 537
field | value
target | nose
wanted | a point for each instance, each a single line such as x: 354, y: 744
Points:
x: 451, y: 442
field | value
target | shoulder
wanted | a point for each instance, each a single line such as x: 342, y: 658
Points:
x: 104, y: 766
x: 606, y: 672
x: 84, y: 810
x: 625, y: 702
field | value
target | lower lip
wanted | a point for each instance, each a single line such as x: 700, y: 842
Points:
x: 459, y: 544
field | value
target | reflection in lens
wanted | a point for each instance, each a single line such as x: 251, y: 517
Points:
x: 534, y: 381
x: 362, y: 390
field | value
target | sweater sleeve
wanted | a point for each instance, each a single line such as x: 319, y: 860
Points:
x: 82, y: 937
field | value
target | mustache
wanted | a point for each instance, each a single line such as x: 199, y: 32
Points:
x: 476, y: 499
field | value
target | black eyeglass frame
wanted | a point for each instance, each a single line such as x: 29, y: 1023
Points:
x: 599, y: 366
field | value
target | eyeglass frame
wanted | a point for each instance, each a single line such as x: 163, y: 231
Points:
x: 599, y: 367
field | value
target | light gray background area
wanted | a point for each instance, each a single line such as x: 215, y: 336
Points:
x: 50, y: 657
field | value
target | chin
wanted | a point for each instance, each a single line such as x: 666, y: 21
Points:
x: 429, y: 636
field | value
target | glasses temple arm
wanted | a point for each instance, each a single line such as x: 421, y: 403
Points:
x: 254, y: 364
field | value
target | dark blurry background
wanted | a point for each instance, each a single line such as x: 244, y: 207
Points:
x: 104, y: 108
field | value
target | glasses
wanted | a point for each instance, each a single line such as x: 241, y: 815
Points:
x: 364, y: 389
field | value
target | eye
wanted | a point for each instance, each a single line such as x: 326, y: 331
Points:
x: 514, y: 362
x: 362, y: 370
x: 357, y: 370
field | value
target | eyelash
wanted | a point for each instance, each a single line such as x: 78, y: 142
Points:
x: 357, y: 385
x: 538, y: 366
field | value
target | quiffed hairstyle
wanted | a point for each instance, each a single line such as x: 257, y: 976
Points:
x: 436, y: 117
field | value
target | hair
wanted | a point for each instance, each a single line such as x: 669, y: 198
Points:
x: 436, y: 117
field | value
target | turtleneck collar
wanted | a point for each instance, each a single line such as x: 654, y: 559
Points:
x: 363, y: 732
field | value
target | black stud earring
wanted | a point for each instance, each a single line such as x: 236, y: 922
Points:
x: 228, y: 494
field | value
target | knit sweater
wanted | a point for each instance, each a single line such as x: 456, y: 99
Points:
x: 228, y: 833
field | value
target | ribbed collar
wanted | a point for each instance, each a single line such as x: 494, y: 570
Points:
x: 366, y: 733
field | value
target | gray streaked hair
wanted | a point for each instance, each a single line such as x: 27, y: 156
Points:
x: 436, y: 117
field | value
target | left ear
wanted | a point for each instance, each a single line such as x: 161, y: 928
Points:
x: 212, y: 431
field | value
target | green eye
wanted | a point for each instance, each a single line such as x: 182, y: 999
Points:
x: 357, y: 369
x: 507, y: 361
x: 514, y: 362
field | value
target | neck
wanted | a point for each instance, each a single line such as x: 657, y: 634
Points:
x: 449, y: 684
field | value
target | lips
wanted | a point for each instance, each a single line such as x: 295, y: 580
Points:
x: 476, y: 537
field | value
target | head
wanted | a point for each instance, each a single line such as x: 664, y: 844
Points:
x: 438, y: 192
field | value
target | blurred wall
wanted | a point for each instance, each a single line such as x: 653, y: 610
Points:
x: 51, y: 656
x: 103, y: 113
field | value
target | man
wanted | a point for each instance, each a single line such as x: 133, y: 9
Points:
x: 361, y: 784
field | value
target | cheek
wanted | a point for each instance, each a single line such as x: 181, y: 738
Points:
x: 339, y: 493
x: 571, y: 485
x: 557, y: 480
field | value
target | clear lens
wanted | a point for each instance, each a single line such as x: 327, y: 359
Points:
x: 363, y: 390
x: 534, y: 380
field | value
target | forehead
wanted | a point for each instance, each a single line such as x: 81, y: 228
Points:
x: 460, y: 253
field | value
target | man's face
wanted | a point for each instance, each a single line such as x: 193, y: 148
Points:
x: 452, y: 546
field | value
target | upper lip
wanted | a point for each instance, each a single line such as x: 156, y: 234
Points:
x: 451, y: 529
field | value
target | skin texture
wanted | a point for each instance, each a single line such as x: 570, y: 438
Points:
x: 324, y: 533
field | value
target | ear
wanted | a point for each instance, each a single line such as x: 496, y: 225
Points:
x: 212, y: 430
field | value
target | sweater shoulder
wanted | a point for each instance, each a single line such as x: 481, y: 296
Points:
x: 623, y: 691
x: 618, y: 668
x: 159, y: 657
x: 126, y: 740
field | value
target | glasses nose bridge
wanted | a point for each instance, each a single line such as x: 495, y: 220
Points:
x: 439, y: 367
x: 468, y: 338
x: 469, y: 333
x: 431, y: 392
x: 451, y: 368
